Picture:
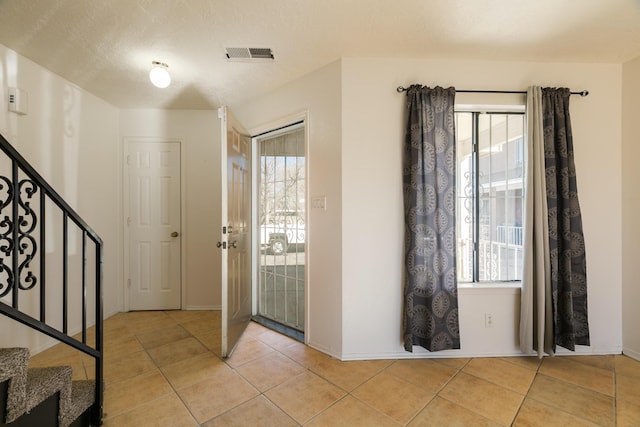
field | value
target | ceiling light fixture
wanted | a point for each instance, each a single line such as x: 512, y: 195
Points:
x: 159, y: 74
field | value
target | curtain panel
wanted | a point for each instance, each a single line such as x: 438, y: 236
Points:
x: 554, y: 287
x: 430, y: 317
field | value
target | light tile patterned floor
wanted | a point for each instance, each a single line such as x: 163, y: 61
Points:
x: 164, y: 369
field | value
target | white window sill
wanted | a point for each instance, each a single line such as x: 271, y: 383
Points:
x: 490, y: 287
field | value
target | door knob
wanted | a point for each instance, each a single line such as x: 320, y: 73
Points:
x: 232, y: 244
x: 174, y: 234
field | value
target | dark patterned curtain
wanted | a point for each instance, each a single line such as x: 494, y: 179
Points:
x: 429, y: 170
x: 554, y: 285
x: 566, y: 240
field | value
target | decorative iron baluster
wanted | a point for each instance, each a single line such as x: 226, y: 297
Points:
x: 27, y: 245
x: 6, y: 236
x: 22, y: 230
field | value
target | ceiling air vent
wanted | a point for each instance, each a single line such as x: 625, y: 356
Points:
x: 249, y: 53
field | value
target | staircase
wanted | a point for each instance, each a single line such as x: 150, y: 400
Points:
x: 33, y: 217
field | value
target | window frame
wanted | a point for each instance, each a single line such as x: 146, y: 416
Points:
x: 476, y: 111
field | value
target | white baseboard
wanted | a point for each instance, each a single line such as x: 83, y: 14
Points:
x: 631, y: 353
x: 202, y: 307
x: 112, y: 313
x: 324, y: 350
x: 419, y: 353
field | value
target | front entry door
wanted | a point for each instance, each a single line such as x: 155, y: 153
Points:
x: 235, y: 242
x: 154, y: 226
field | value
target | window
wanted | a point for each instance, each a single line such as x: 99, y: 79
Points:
x: 490, y: 190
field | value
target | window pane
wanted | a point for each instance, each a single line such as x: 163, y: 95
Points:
x: 282, y: 228
x: 464, y: 196
x: 501, y: 181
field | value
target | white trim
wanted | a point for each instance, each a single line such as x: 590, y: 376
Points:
x: 489, y: 108
x: 488, y: 290
x: 424, y: 354
x: 125, y: 209
x: 202, y: 308
x: 278, y: 123
x: 255, y: 228
x: 328, y: 352
x: 631, y: 353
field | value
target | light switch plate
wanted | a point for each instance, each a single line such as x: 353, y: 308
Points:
x: 319, y: 202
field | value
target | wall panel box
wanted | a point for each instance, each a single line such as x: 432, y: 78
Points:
x: 18, y: 101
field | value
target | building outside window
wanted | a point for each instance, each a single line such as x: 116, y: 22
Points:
x: 490, y: 196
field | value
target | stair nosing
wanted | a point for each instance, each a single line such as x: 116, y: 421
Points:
x: 29, y: 387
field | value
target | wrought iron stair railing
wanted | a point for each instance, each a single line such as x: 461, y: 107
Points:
x: 38, y: 227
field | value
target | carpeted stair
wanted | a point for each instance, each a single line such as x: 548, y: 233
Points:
x: 30, y: 387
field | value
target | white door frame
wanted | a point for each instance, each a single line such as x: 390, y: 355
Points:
x: 126, y: 211
x: 302, y: 116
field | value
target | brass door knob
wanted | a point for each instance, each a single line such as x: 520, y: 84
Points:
x: 174, y: 234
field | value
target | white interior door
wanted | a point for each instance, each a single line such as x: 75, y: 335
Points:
x: 235, y: 242
x: 154, y: 226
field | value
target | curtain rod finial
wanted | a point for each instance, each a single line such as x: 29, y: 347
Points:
x: 400, y: 89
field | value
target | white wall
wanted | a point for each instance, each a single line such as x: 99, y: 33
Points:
x: 364, y: 280
x: 199, y: 132
x: 318, y: 94
x: 355, y: 247
x: 372, y: 230
x: 630, y: 209
x: 71, y: 138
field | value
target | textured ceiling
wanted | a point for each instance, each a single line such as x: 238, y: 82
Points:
x: 106, y: 47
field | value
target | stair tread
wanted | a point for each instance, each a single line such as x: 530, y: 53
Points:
x: 44, y: 382
x: 31, y: 386
x: 12, y: 359
x: 13, y: 365
x: 82, y: 397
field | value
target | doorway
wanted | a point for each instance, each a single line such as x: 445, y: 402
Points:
x: 153, y: 225
x: 281, y: 220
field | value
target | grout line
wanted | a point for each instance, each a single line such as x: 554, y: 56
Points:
x: 176, y: 393
x: 615, y: 395
x: 526, y: 395
x: 306, y: 368
x: 558, y: 380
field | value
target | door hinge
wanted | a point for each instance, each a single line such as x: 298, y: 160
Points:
x: 129, y: 221
x: 128, y: 159
x: 129, y: 283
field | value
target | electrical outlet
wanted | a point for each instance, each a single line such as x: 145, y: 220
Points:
x: 488, y: 320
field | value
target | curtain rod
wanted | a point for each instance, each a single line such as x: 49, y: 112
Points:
x: 524, y: 92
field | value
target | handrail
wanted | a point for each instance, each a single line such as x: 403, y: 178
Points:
x: 19, y: 242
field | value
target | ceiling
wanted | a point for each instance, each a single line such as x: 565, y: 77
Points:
x: 107, y: 47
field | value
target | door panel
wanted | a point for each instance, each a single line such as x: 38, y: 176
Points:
x: 236, y: 238
x: 154, y: 225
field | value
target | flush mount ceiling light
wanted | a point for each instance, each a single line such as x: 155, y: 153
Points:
x: 159, y: 74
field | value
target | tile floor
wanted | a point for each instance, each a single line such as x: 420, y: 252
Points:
x: 163, y: 369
